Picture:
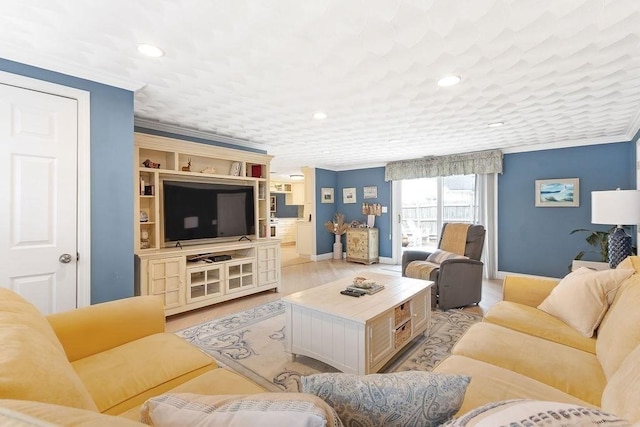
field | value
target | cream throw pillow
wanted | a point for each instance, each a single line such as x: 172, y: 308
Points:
x: 582, y: 298
x: 264, y: 409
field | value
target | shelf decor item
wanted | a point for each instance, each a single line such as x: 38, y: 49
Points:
x: 235, y: 169
x: 144, y: 239
x: 616, y: 207
x: 338, y: 227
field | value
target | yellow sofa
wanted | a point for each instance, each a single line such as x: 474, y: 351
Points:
x: 521, y: 352
x: 92, y: 364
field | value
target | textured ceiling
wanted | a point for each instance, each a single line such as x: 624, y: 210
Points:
x: 555, y: 71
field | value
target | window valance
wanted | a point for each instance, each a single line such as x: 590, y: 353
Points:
x: 481, y: 162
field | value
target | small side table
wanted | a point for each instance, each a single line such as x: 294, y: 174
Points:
x: 362, y: 245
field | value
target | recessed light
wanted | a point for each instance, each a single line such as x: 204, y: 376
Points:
x: 449, y: 81
x: 319, y: 115
x: 296, y: 176
x: 495, y: 124
x: 150, y: 50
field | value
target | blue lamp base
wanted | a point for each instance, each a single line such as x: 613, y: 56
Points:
x: 619, y: 247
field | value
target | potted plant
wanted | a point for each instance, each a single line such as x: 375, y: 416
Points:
x: 338, y: 227
x: 599, y: 240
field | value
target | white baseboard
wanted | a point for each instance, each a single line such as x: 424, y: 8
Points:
x: 322, y: 257
x: 503, y: 274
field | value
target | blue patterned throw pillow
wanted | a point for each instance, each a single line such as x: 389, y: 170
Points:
x: 407, y: 399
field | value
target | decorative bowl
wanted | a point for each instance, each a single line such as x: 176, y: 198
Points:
x: 364, y: 283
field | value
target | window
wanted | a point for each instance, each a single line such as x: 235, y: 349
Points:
x: 427, y: 203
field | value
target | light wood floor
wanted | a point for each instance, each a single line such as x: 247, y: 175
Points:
x: 298, y: 275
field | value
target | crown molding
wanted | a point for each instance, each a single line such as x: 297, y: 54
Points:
x: 49, y: 63
x: 634, y: 127
x: 194, y: 133
x: 567, y: 144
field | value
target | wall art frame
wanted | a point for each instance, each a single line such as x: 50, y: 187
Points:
x: 349, y: 195
x: 557, y: 193
x: 370, y: 192
x: 327, y: 195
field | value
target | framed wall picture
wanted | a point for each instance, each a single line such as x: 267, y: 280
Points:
x: 326, y: 195
x: 349, y: 195
x: 370, y: 192
x: 557, y: 193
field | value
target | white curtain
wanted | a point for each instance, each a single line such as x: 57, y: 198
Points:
x: 486, y: 200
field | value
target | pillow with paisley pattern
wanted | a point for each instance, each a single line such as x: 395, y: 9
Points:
x: 399, y: 399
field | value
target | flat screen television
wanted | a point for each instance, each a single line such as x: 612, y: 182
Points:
x: 197, y: 211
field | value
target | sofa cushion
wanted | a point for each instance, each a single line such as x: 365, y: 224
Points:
x: 30, y: 413
x: 411, y: 398
x: 619, y: 334
x: 490, y: 383
x: 581, y: 298
x: 622, y: 394
x: 33, y: 365
x: 271, y: 409
x: 216, y: 381
x: 573, y: 371
x: 536, y: 322
x: 536, y: 412
x: 127, y: 375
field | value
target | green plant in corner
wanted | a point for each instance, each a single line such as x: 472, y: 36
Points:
x: 597, y: 239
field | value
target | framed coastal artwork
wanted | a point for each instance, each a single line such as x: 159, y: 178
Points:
x: 557, y: 193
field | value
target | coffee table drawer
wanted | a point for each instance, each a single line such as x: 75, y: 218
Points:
x: 402, y: 312
x: 402, y: 335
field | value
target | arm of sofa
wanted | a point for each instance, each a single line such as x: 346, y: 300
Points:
x: 408, y: 256
x: 94, y: 329
x: 529, y: 291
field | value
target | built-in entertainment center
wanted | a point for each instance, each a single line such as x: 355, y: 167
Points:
x: 201, y: 223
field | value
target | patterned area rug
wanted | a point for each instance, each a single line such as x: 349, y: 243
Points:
x: 253, y: 343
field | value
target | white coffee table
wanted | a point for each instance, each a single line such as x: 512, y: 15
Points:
x: 357, y: 335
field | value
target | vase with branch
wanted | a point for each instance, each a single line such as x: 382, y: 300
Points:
x: 338, y: 227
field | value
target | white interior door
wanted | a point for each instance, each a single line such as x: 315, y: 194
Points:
x: 38, y: 197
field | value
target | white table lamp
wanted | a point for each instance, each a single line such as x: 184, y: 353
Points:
x: 616, y: 207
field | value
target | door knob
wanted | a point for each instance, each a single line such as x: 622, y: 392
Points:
x: 65, y: 258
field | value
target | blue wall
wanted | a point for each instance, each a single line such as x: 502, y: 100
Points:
x: 282, y: 209
x: 111, y: 189
x: 325, y: 211
x: 360, y: 178
x: 357, y: 178
x: 536, y: 240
